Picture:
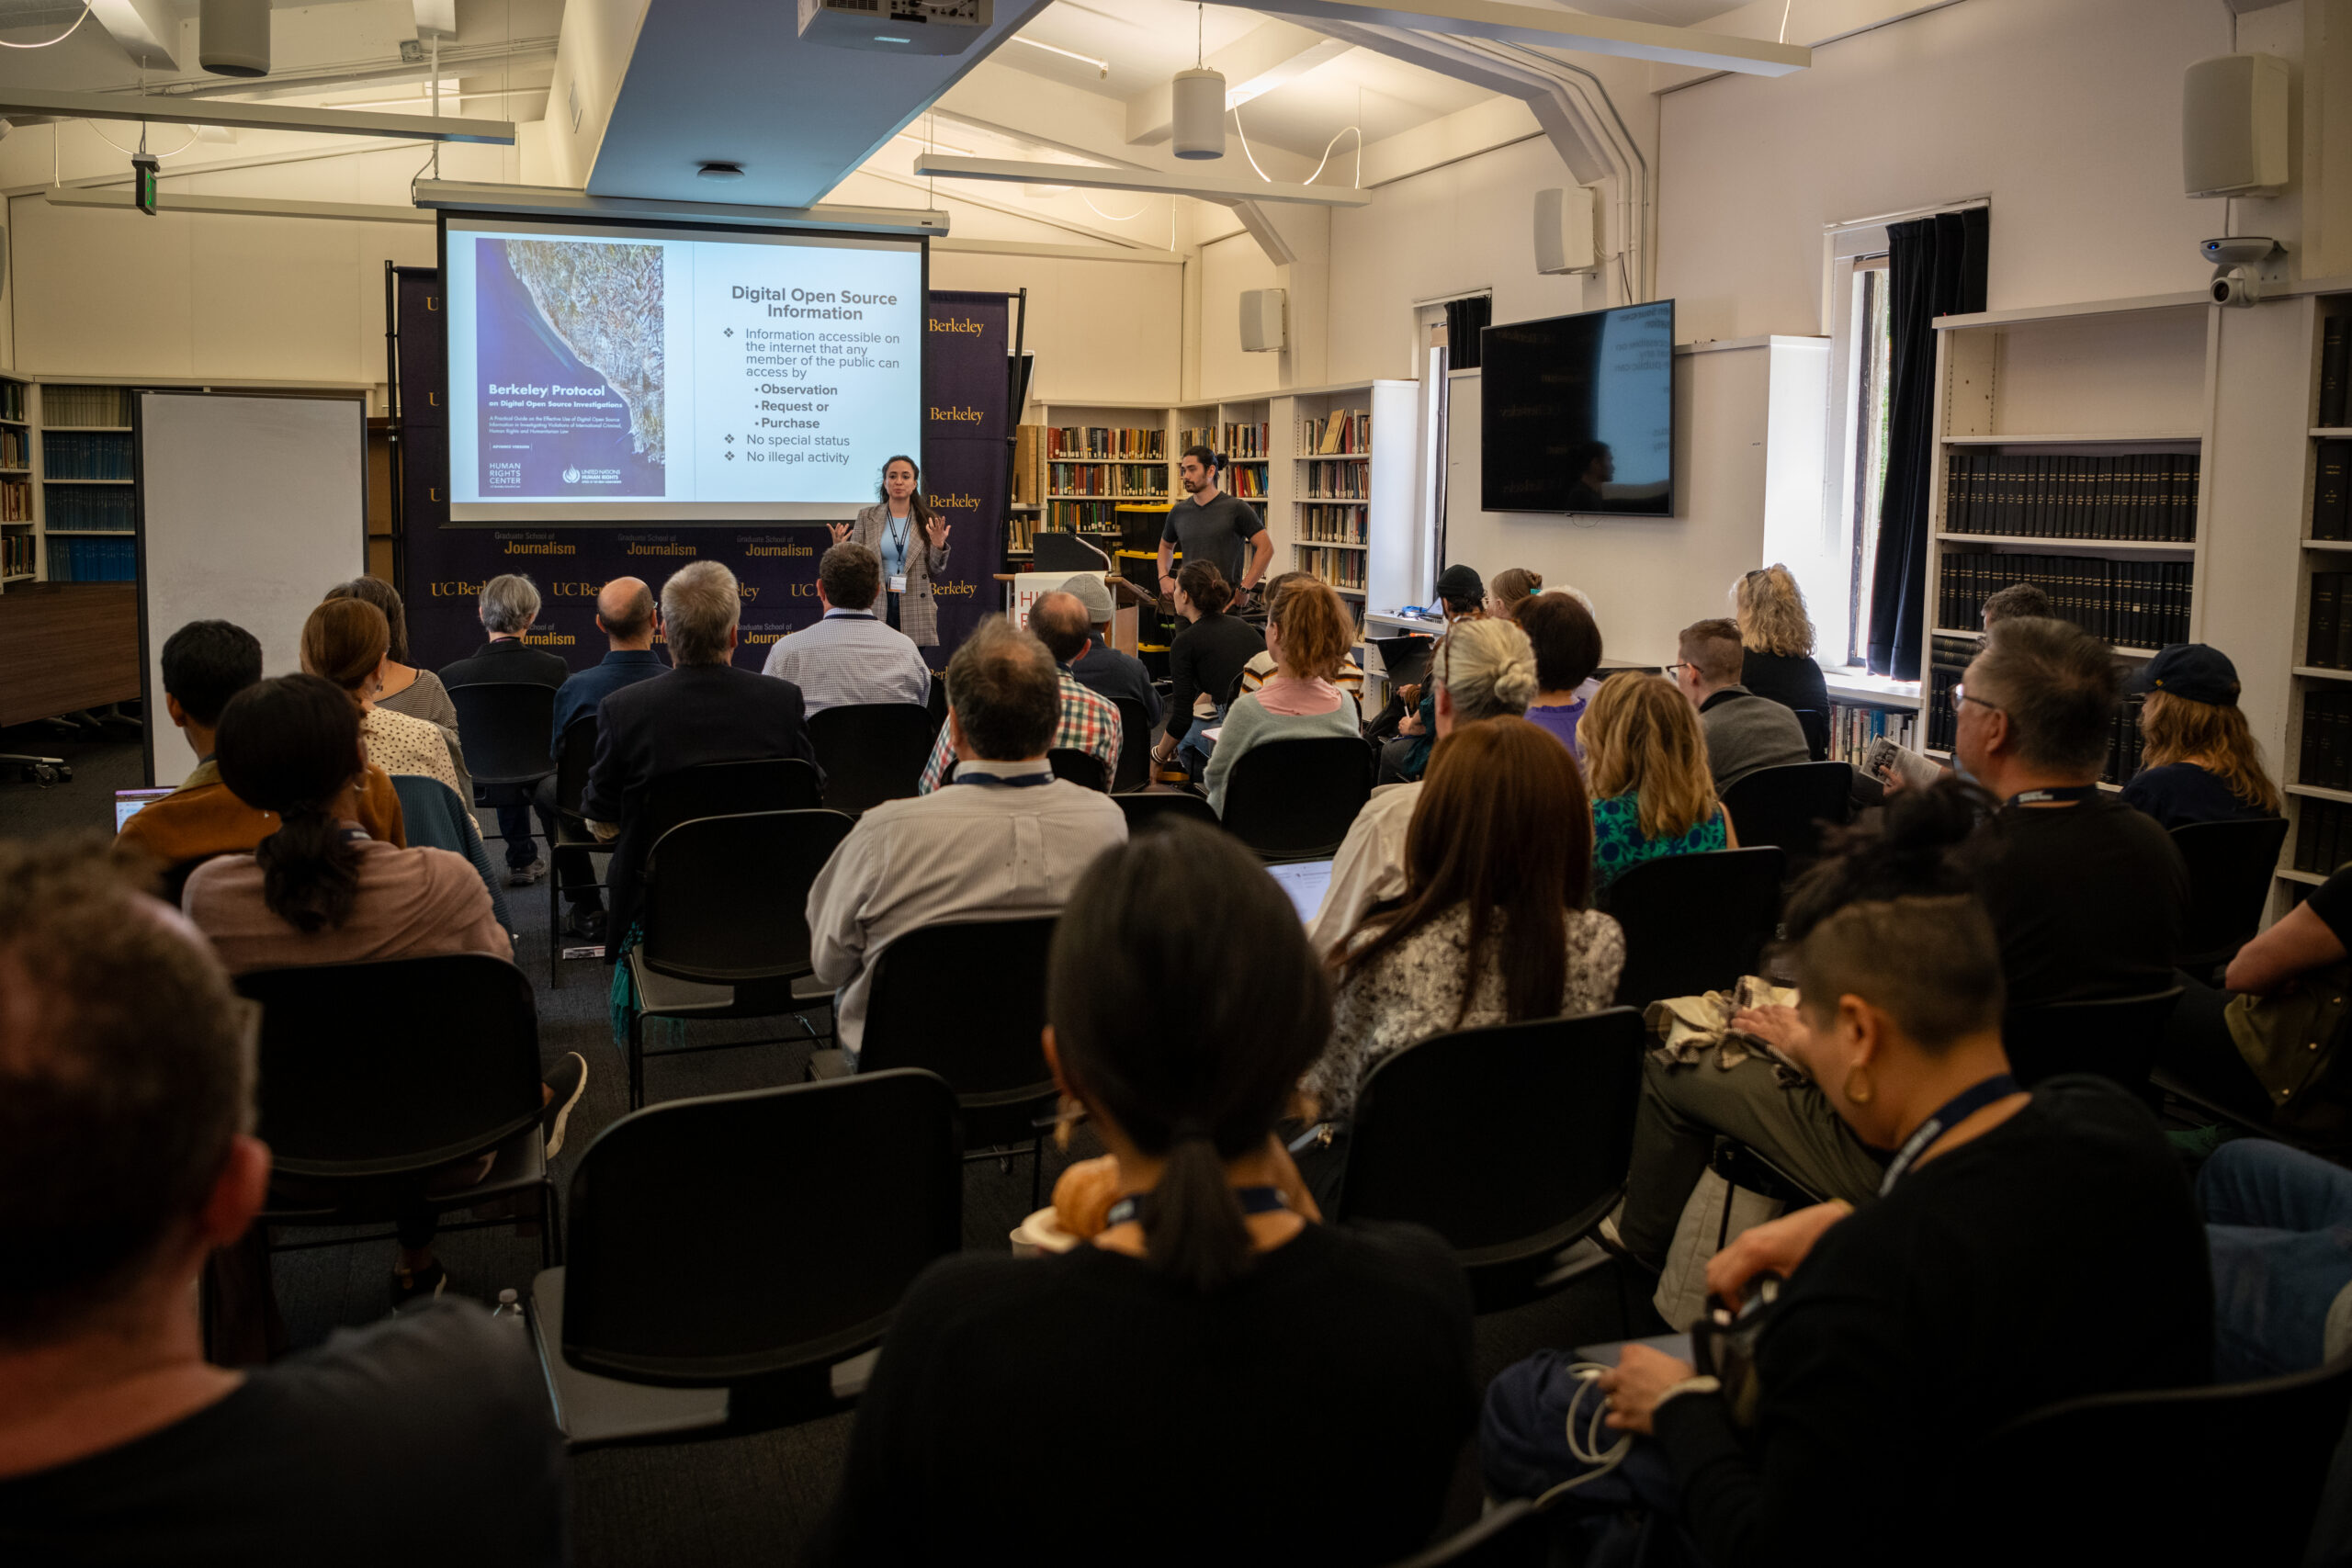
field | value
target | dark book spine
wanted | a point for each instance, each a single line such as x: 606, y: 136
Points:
x: 2335, y: 362
x: 2331, y: 501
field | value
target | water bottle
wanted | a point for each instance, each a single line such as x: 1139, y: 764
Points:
x: 509, y: 1308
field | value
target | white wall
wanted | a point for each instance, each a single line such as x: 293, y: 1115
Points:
x: 1103, y: 330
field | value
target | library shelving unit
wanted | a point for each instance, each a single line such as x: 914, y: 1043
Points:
x: 2070, y: 445
x: 20, y: 534
x: 2319, y: 720
x: 1340, y: 501
x: 86, y: 508
x: 1094, y: 456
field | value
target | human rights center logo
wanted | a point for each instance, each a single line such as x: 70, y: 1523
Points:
x: 572, y: 476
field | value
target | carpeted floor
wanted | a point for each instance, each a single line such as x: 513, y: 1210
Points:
x: 743, y: 1500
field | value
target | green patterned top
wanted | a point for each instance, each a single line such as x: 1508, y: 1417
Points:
x: 1618, y: 845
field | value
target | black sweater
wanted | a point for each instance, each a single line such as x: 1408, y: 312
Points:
x: 1789, y: 679
x: 2059, y: 1255
x: 1207, y: 656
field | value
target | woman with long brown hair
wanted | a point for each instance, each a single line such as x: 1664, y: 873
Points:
x: 1497, y: 923
x: 1652, y: 793
x: 2200, y: 763
x: 347, y: 642
x: 911, y: 539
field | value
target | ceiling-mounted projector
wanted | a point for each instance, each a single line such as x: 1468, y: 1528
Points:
x: 901, y: 27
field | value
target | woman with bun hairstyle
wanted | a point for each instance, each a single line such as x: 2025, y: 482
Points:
x: 1947, y: 1301
x: 1776, y: 641
x: 1206, y: 659
x: 1645, y: 759
x: 2200, y: 763
x: 1510, y: 588
x: 1123, y: 1385
x: 347, y: 642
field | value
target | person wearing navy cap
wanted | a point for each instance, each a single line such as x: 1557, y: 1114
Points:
x: 2202, y: 764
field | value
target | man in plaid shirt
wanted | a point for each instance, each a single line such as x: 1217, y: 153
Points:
x: 1090, y: 720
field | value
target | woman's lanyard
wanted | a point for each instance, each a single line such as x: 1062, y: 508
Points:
x: 1253, y: 1201
x: 898, y: 536
x: 2068, y: 793
x: 1950, y: 1114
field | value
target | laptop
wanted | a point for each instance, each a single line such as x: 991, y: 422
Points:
x: 129, y: 803
x: 1305, y: 881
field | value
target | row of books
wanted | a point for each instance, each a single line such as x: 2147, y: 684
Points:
x: 85, y: 455
x: 1340, y: 569
x: 1335, y: 525
x: 1027, y: 484
x: 1082, y: 516
x: 1853, y: 728
x: 2335, y: 370
x: 12, y: 401
x: 15, y: 446
x: 1078, y: 441
x: 2326, y: 759
x: 2126, y: 747
x: 74, y: 506
x: 2147, y: 495
x: 85, y: 405
x: 2327, y: 639
x: 16, y: 554
x: 1141, y: 482
x: 1234, y: 443
x: 2332, y: 492
x: 16, y: 501
x: 1341, y: 432
x: 2134, y: 603
x: 93, y: 560
x: 1247, y: 480
x: 1338, y: 481
x: 2324, y: 839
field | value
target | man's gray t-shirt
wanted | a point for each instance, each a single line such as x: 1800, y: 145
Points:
x: 1218, y: 533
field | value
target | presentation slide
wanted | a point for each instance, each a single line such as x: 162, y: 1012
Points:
x: 617, y: 375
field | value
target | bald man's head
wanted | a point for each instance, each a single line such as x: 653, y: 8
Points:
x: 625, y: 609
x: 1060, y: 621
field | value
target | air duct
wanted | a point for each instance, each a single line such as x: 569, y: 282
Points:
x: 1199, y: 113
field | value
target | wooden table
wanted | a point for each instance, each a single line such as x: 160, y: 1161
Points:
x: 65, y: 647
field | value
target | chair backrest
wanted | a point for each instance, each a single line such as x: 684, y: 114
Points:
x: 433, y: 818
x: 715, y: 1241
x: 1697, y: 922
x: 935, y: 703
x: 395, y: 1067
x: 2230, y: 868
x: 729, y: 789
x: 1815, y: 724
x: 727, y: 897
x: 1079, y: 767
x: 1787, y: 806
x: 506, y: 728
x: 2116, y: 1037
x: 575, y: 754
x: 990, y: 1053
x: 1134, y: 771
x: 1294, y: 799
x: 1147, y: 807
x: 873, y: 751
x: 2100, y: 1478
x: 1510, y: 1142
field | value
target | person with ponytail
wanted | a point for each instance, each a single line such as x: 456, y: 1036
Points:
x: 2018, y: 1250
x: 1204, y: 660
x: 348, y: 641
x: 1216, y: 1375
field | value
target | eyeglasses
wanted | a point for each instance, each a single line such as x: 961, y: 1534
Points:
x: 1960, y: 695
x: 1669, y: 669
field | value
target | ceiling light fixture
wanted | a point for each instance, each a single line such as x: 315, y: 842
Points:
x: 1197, y: 102
x: 718, y: 169
x: 1102, y: 67
x: 233, y: 37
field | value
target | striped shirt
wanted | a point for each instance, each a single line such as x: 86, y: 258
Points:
x: 1089, y: 724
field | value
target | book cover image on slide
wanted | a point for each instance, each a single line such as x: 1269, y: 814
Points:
x: 569, y: 351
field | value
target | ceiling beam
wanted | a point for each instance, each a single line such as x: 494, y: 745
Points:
x: 1576, y: 30
x: 551, y: 201
x: 237, y: 206
x: 1204, y: 186
x: 18, y: 101
x: 148, y: 30
x: 1257, y: 63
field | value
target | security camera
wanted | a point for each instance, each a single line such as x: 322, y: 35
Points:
x: 2239, y: 249
x: 2236, y: 286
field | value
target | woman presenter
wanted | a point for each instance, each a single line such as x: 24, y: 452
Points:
x: 911, y: 539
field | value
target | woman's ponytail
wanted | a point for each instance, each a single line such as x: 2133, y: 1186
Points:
x: 1193, y: 1229
x: 291, y: 746
x: 310, y: 871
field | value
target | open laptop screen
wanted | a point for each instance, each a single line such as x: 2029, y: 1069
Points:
x: 127, y: 802
x: 1304, y: 882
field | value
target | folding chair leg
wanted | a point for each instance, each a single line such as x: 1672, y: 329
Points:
x: 555, y: 929
x: 636, y: 1061
x: 550, y: 1221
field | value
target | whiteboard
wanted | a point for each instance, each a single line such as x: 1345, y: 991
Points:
x: 250, y: 509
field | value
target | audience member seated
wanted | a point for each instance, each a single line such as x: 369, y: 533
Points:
x: 1349, y: 678
x: 705, y: 710
x: 1204, y: 660
x: 1006, y: 840
x: 1480, y: 669
x: 1102, y: 668
x: 1567, y: 652
x: 1212, y: 1311
x: 1645, y: 768
x: 343, y: 641
x: 1497, y: 925
x: 1745, y: 732
x: 417, y: 693
x: 1510, y: 588
x: 1909, y: 1333
x: 2279, y: 1224
x: 2200, y: 763
x: 1461, y: 596
x: 1308, y: 631
x: 1089, y: 722
x: 509, y: 606
x: 848, y: 656
x: 2017, y: 601
x: 204, y: 664
x: 127, y: 1159
x: 1776, y: 638
x: 624, y: 614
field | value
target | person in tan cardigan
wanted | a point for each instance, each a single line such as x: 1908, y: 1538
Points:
x: 911, y: 539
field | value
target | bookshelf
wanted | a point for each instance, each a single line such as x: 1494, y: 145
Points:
x: 2317, y: 785
x: 86, y: 502
x: 1080, y: 461
x: 19, y: 527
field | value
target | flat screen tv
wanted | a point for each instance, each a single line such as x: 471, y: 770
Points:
x: 1577, y: 413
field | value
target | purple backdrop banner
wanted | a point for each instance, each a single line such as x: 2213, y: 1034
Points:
x: 775, y: 563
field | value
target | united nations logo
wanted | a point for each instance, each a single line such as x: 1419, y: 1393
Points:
x: 572, y: 476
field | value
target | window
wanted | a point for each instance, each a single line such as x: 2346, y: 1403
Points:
x: 1863, y: 352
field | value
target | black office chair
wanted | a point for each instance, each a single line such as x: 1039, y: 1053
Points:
x: 873, y: 751
x: 1134, y: 771
x: 990, y: 1056
x: 2101, y: 1478
x: 1788, y: 807
x: 1695, y: 923
x: 730, y: 789
x: 376, y: 1078
x: 1146, y: 807
x: 1078, y: 767
x: 935, y: 705
x: 1508, y: 1534
x: 1511, y: 1143
x: 1815, y: 724
x: 507, y: 729
x: 574, y: 847
x: 725, y: 912
x: 1743, y: 1168
x: 1294, y: 799
x: 735, y: 1259
x: 2116, y: 1037
x: 2230, y: 870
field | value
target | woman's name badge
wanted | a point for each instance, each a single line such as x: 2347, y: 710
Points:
x: 899, y: 583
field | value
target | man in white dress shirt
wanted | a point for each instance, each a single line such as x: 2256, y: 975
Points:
x: 850, y: 656
x: 1006, y: 840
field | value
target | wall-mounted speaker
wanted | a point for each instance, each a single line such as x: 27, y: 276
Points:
x: 2233, y: 126
x: 1567, y: 230
x: 1264, y: 320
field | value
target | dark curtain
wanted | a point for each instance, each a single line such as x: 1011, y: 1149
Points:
x: 1464, y: 319
x: 1935, y: 268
